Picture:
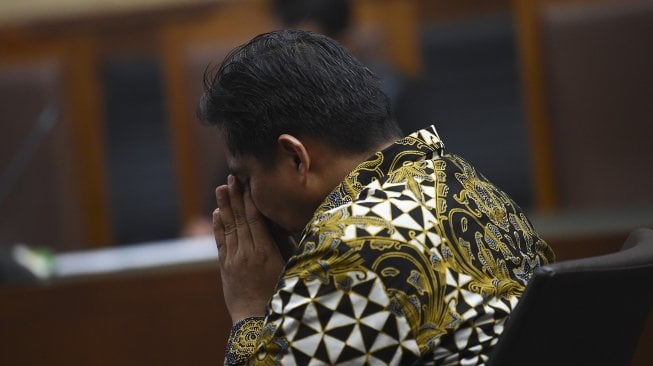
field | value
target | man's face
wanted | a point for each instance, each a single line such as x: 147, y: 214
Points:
x: 274, y: 191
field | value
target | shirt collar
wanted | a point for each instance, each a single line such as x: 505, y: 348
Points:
x: 419, y: 145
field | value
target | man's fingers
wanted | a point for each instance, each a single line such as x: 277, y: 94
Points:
x: 218, y: 231
x: 255, y: 220
x: 236, y: 200
x: 226, y: 221
x: 238, y: 209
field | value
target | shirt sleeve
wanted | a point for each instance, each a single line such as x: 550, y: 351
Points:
x: 333, y: 310
x: 242, y: 340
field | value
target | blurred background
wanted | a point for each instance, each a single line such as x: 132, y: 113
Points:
x: 106, y: 176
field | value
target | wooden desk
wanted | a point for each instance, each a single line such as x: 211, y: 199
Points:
x: 170, y: 317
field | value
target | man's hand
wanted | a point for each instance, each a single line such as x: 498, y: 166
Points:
x: 249, y: 259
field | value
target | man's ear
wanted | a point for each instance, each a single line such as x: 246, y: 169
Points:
x: 293, y: 148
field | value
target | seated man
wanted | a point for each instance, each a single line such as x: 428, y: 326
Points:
x: 402, y: 253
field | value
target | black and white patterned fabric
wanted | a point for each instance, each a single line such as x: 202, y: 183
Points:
x: 415, y: 258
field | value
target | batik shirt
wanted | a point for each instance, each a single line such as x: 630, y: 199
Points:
x: 415, y: 258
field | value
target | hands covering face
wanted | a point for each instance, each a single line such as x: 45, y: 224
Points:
x: 249, y: 259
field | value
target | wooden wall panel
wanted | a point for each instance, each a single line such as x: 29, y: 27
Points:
x: 70, y: 163
x: 543, y: 92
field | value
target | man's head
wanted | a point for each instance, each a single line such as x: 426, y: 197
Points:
x: 295, y: 97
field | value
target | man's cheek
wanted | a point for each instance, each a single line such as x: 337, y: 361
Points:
x: 258, y: 200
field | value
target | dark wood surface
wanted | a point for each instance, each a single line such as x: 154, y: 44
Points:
x: 173, y: 316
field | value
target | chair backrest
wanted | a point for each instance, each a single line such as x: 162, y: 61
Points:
x: 589, y: 311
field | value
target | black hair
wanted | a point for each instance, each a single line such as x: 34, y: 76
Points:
x: 333, y: 17
x: 296, y: 82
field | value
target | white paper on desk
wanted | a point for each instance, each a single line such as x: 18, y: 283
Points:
x: 136, y: 256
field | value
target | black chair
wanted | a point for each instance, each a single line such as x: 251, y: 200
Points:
x: 589, y: 311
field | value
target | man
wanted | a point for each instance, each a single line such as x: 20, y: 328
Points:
x: 402, y: 254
